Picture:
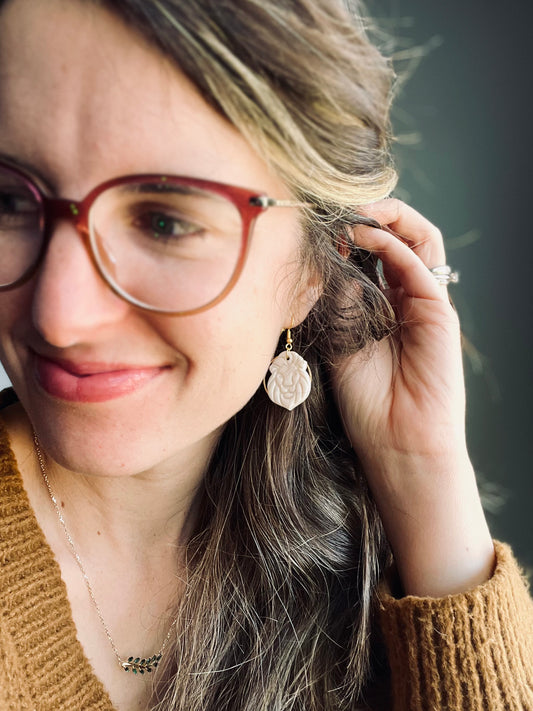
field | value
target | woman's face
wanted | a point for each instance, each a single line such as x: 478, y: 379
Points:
x: 83, y: 100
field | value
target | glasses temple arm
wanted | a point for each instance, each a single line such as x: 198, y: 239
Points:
x: 264, y: 201
x: 351, y: 218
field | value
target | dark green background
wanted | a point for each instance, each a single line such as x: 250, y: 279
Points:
x: 470, y: 101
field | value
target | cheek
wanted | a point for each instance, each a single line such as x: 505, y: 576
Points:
x: 12, y: 303
x: 226, y: 351
x: 15, y: 307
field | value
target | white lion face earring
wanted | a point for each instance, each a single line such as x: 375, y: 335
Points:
x: 290, y: 380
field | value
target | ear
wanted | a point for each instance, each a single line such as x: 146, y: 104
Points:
x: 306, y: 293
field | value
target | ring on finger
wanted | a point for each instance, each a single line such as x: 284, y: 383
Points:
x: 445, y: 275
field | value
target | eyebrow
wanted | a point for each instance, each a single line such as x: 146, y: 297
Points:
x: 158, y: 188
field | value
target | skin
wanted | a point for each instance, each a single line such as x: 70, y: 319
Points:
x: 69, y: 106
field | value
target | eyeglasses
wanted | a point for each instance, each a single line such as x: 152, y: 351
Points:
x: 168, y: 244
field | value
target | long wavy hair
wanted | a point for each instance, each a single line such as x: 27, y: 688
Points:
x: 286, y: 553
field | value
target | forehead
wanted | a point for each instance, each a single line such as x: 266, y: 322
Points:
x: 61, y: 64
x: 79, y: 88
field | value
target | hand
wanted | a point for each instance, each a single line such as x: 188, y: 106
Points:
x: 403, y: 407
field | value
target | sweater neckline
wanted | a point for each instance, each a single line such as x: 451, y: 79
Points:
x: 35, y: 605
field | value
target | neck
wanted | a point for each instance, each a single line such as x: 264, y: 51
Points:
x: 136, y: 511
x: 152, y: 508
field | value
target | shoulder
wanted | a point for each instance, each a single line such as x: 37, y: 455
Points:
x: 16, y: 441
x: 14, y: 429
x: 20, y: 536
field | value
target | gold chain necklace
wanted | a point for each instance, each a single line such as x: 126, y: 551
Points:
x: 137, y: 665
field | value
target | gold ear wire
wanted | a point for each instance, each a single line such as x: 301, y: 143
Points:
x: 288, y: 345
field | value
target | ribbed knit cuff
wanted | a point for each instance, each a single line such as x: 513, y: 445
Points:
x: 466, y: 652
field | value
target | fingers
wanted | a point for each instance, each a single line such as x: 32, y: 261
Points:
x: 411, y: 227
x: 408, y: 244
x: 402, y: 266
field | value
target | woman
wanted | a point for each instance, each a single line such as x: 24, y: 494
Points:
x: 175, y: 534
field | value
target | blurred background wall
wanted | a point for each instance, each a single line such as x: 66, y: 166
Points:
x: 467, y: 113
x: 470, y: 103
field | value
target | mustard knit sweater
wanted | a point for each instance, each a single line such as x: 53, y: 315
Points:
x: 469, y: 652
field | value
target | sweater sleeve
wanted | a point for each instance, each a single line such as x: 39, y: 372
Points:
x: 465, y: 652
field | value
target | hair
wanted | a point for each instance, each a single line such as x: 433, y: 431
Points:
x: 285, y: 556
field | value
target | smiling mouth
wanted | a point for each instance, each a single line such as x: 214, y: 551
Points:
x: 91, y: 382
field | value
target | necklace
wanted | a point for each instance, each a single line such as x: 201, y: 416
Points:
x: 137, y: 665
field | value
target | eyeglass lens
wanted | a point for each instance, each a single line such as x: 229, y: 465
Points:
x: 172, y: 247
x: 21, y: 234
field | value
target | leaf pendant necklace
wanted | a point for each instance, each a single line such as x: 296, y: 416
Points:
x: 137, y: 665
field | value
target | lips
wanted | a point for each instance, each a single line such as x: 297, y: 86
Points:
x: 91, y: 382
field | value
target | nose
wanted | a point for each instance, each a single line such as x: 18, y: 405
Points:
x: 71, y: 302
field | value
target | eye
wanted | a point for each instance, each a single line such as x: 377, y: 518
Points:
x: 17, y: 209
x: 12, y: 203
x: 161, y: 225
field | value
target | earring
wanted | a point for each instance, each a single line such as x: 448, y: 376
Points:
x: 290, y: 381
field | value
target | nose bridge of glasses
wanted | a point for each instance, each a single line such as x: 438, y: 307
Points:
x: 63, y: 209
x: 58, y: 210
